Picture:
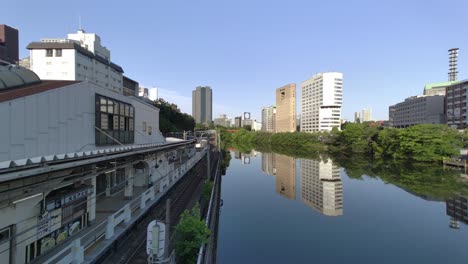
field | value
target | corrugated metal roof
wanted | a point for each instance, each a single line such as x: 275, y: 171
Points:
x: 69, y: 156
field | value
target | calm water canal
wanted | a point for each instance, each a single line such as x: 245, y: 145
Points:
x: 278, y: 209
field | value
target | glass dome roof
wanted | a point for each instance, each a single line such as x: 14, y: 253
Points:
x: 15, y: 76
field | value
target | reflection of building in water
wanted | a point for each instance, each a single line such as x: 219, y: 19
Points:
x: 285, y: 176
x: 269, y: 163
x: 245, y: 157
x: 237, y: 155
x: 321, y: 186
x: 457, y: 208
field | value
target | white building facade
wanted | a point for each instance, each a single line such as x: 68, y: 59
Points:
x: 321, y: 102
x: 366, y: 115
x: 269, y: 119
x: 256, y: 125
x: 222, y: 120
x: 55, y: 122
x: 78, y: 57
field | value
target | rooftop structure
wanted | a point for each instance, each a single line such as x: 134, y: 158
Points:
x: 438, y: 88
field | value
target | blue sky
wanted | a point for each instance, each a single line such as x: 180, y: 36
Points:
x: 245, y: 49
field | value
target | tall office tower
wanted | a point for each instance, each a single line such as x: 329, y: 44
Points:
x: 366, y: 115
x: 321, y: 186
x: 357, y: 117
x: 269, y: 118
x: 286, y: 108
x: 453, y: 57
x: 285, y: 176
x: 202, y: 105
x: 238, y: 121
x: 321, y: 102
x: 9, y: 44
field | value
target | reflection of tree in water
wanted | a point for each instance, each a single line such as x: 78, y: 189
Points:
x: 226, y: 161
x: 429, y: 181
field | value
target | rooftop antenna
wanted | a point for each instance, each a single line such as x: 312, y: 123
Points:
x: 80, y: 28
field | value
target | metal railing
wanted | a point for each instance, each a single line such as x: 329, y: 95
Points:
x: 214, y: 194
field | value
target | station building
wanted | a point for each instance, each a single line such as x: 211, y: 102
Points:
x: 75, y: 155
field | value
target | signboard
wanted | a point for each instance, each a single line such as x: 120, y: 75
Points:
x: 155, y: 238
x: 77, y: 195
x: 49, y: 222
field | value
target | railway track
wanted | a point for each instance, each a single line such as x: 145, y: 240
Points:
x: 185, y: 200
x: 131, y: 248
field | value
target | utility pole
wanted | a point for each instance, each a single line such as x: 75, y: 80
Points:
x: 208, y: 158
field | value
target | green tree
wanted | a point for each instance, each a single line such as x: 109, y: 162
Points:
x: 207, y: 188
x: 191, y: 233
x: 171, y: 119
x: 426, y: 180
x: 427, y: 142
x: 247, y: 127
x: 387, y: 143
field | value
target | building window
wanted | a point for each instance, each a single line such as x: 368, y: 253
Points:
x: 49, y: 52
x: 144, y: 126
x: 58, y: 53
x: 113, y: 118
x: 150, y: 130
x: 5, y: 234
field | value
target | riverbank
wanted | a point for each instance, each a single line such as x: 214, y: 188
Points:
x: 420, y: 143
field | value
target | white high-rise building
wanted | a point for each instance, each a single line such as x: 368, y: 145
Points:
x: 79, y: 57
x: 321, y: 102
x: 256, y: 125
x: 366, y: 115
x: 269, y: 119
